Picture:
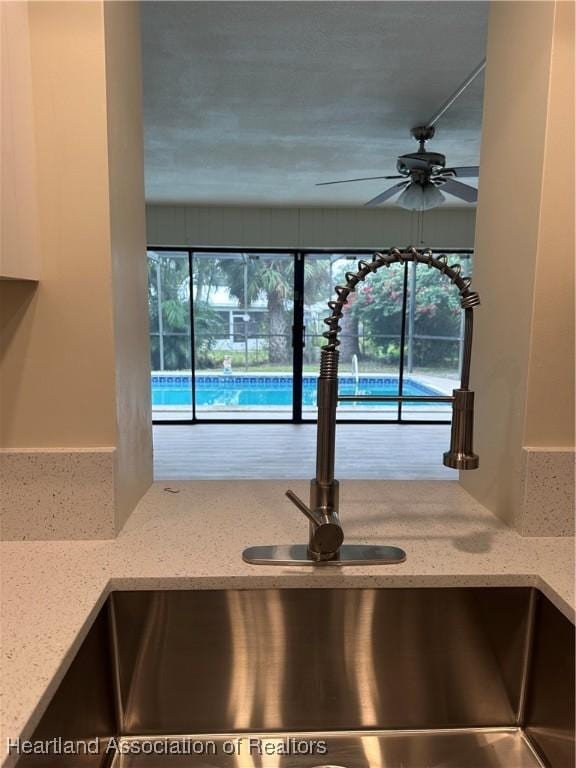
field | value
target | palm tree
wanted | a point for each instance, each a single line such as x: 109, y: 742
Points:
x: 256, y: 276
x: 276, y: 278
x: 271, y: 277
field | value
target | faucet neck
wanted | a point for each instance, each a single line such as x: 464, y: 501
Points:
x: 328, y: 378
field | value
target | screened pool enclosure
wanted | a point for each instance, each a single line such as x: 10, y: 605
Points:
x: 236, y: 336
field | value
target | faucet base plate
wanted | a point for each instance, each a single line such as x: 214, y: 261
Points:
x: 349, y: 554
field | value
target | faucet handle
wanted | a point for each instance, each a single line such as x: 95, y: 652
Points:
x: 313, y: 516
x: 326, y: 534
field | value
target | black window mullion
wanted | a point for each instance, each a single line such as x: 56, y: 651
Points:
x: 298, y: 338
x: 192, y: 336
x: 402, y: 339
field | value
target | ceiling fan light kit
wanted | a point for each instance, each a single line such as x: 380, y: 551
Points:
x: 421, y: 197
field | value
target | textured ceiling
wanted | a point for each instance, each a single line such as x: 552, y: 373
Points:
x: 251, y: 103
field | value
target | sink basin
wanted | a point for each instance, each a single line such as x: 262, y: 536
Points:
x: 307, y: 678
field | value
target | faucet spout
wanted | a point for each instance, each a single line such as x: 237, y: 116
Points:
x: 461, y: 455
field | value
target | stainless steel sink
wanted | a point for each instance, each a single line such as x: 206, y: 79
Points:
x: 307, y: 678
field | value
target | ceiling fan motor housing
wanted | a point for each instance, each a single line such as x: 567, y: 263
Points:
x: 420, y: 161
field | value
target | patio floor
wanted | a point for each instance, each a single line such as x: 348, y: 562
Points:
x: 287, y: 451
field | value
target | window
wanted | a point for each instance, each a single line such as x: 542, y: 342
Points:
x: 251, y: 348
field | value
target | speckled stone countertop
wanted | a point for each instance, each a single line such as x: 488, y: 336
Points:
x: 51, y: 591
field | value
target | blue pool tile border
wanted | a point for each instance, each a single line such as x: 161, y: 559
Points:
x: 229, y: 381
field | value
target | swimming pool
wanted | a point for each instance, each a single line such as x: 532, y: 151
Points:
x: 230, y: 391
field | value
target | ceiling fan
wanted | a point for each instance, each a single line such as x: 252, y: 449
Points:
x: 425, y: 178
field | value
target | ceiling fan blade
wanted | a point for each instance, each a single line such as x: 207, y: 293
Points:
x: 468, y: 171
x: 463, y: 191
x: 364, y: 178
x: 390, y: 192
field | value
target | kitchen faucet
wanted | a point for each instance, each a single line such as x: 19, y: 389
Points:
x: 325, y: 545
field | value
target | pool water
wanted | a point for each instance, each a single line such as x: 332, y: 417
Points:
x: 269, y: 391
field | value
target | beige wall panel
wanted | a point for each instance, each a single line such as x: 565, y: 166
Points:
x: 128, y: 252
x: 57, y: 355
x: 447, y: 228
x: 507, y: 222
x: 212, y: 226
x: 550, y: 403
x: 168, y: 221
x: 19, y: 254
x: 74, y: 360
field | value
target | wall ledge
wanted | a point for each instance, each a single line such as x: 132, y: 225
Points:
x: 547, y: 492
x: 57, y: 494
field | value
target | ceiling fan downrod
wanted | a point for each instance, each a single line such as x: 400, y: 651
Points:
x: 458, y: 92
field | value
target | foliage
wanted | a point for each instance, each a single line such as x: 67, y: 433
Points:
x: 270, y: 278
x: 371, y: 325
x: 436, y: 313
x: 437, y: 308
x: 175, y: 308
x: 208, y: 327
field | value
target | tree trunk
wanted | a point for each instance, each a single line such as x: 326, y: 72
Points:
x: 278, y: 341
x: 348, y: 336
